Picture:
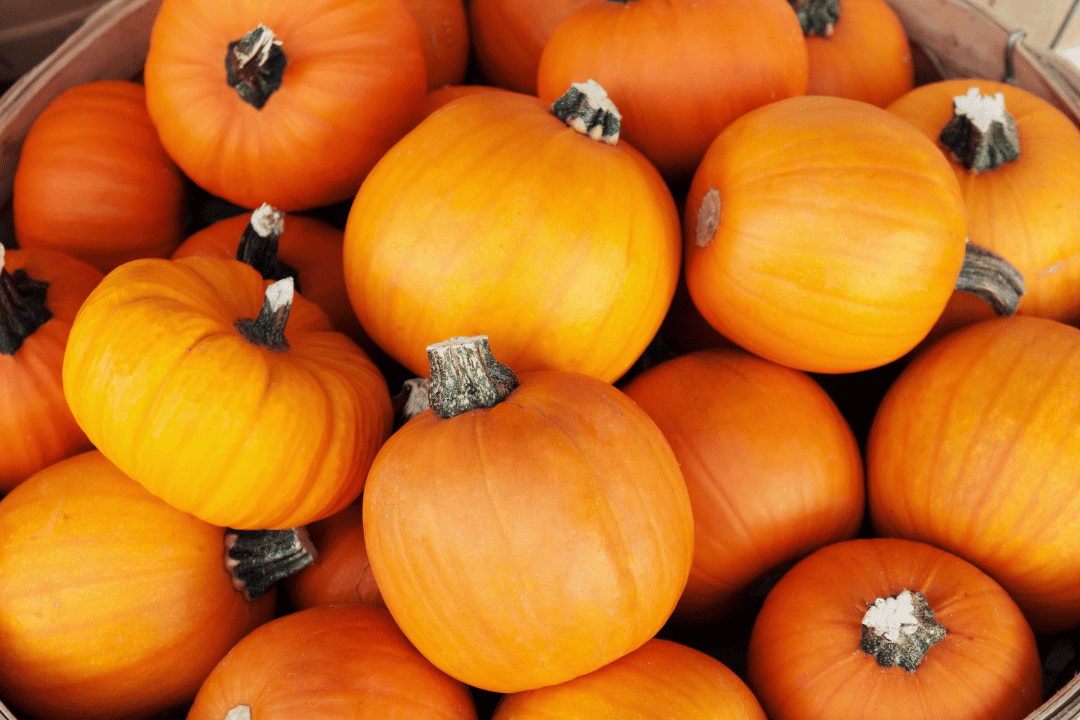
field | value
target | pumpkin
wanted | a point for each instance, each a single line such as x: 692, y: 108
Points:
x: 94, y: 181
x: 772, y: 468
x: 879, y: 628
x: 973, y: 449
x: 329, y: 662
x: 444, y: 35
x: 40, y: 292
x: 509, y: 35
x: 661, y: 679
x: 526, y: 529
x: 823, y: 233
x: 113, y: 604
x: 341, y: 572
x: 858, y: 49
x: 223, y: 393
x: 288, y: 103
x: 438, y: 97
x: 494, y: 187
x: 679, y: 71
x: 1022, y: 208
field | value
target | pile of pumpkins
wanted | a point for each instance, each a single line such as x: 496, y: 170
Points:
x: 487, y: 399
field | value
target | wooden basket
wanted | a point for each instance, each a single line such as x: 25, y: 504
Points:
x: 951, y: 38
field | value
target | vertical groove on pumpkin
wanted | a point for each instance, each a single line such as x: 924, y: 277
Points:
x: 466, y: 376
x: 255, y: 65
x: 268, y: 329
x: 817, y: 17
x: 586, y: 107
x: 22, y: 307
x: 256, y: 559
x: 981, y: 133
x: 992, y: 278
x: 899, y: 630
x: 258, y: 245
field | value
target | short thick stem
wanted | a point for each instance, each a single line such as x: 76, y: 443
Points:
x: 466, y: 376
x: 22, y: 307
x: 586, y: 107
x: 255, y: 65
x: 258, y: 245
x: 411, y: 401
x: 268, y: 328
x: 899, y: 630
x: 992, y: 278
x: 817, y: 17
x: 256, y: 559
x: 981, y: 133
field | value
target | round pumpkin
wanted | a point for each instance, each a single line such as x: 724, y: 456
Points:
x: 1024, y: 208
x: 772, y: 468
x: 495, y: 217
x: 329, y: 663
x: 113, y: 604
x: 823, y: 233
x: 525, y: 530
x: 660, y: 680
x: 289, y: 103
x: 40, y: 292
x: 881, y: 628
x: 223, y: 394
x: 679, y: 71
x: 974, y: 449
x: 94, y: 181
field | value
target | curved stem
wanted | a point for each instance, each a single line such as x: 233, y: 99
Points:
x: 255, y: 65
x: 466, y: 376
x: 981, y: 133
x: 22, y: 307
x: 991, y: 277
x: 817, y: 17
x: 268, y: 329
x: 899, y: 629
x: 256, y: 559
x: 587, y: 108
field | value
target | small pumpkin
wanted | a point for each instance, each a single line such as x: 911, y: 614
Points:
x: 40, y: 292
x: 526, y: 529
x: 94, y: 181
x: 878, y: 628
x: 224, y: 394
x: 113, y: 604
x: 328, y: 663
x: 289, y: 103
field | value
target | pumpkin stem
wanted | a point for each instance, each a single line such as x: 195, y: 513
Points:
x: 466, y: 376
x: 240, y: 712
x: 991, y: 277
x: 587, y: 108
x: 981, y: 133
x: 22, y: 307
x: 411, y: 401
x: 817, y: 17
x: 259, y: 244
x: 254, y: 66
x: 899, y: 629
x: 268, y: 329
x: 708, y: 218
x: 256, y: 559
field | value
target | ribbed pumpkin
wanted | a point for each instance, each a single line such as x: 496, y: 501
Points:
x: 494, y: 217
x: 223, y: 394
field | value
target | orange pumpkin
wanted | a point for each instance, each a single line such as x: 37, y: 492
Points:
x: 444, y: 38
x: 772, y: 467
x: 40, y: 292
x: 661, y: 679
x: 498, y: 188
x: 875, y: 629
x: 113, y: 604
x: 94, y: 181
x: 329, y: 662
x: 438, y: 97
x: 823, y: 233
x: 526, y: 530
x: 224, y: 394
x: 1023, y: 209
x: 974, y: 449
x: 289, y: 103
x: 679, y: 71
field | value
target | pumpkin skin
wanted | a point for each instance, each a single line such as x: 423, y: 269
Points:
x: 496, y: 187
x: 1024, y: 210
x: 773, y: 470
x: 330, y: 662
x: 94, y: 181
x: 733, y: 56
x: 444, y: 35
x: 238, y: 435
x: 973, y: 450
x: 804, y: 659
x: 139, y: 605
x: 661, y: 680
x: 353, y: 84
x: 868, y: 56
x: 824, y: 234
x: 35, y: 421
x: 438, y: 97
x: 528, y: 543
